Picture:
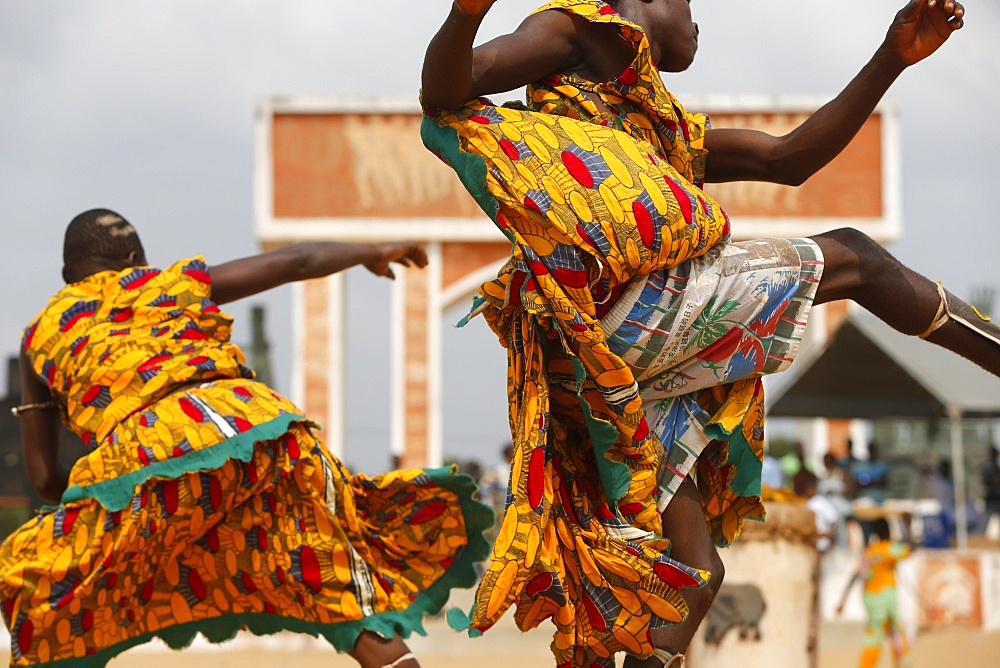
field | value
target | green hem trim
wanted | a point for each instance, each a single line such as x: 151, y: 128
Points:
x: 746, y: 482
x: 341, y: 635
x: 116, y: 493
x: 471, y: 169
x: 615, y: 476
x: 477, y: 303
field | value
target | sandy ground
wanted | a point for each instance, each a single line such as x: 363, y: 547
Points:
x: 840, y: 646
x: 506, y: 646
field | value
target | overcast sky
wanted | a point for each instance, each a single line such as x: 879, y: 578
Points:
x: 147, y: 107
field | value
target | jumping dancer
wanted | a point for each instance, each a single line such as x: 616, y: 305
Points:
x: 637, y: 332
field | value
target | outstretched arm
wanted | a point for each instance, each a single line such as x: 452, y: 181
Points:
x: 855, y: 577
x: 454, y: 72
x: 40, y: 436
x: 250, y: 275
x: 917, y: 31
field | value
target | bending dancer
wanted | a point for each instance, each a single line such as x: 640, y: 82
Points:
x: 206, y: 502
x: 633, y: 325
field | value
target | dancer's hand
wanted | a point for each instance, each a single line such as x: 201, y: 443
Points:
x: 474, y: 7
x: 921, y: 27
x: 406, y: 254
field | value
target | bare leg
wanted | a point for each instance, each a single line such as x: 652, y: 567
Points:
x: 691, y: 543
x: 859, y: 269
x: 373, y: 651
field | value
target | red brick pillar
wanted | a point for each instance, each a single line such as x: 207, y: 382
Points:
x: 318, y: 385
x: 416, y: 368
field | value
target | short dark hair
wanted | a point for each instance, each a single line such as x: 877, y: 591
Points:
x: 99, y: 234
x: 880, y: 528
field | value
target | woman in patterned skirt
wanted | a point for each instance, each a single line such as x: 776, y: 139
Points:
x: 637, y: 333
x: 206, y: 502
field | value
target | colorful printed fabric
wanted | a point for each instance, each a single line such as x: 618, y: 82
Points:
x: 597, y: 186
x: 734, y: 314
x: 883, y: 622
x: 207, y: 504
x: 588, y: 206
x: 636, y: 102
x: 725, y: 418
x: 879, y: 564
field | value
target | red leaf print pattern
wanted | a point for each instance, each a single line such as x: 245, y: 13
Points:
x: 428, y: 511
x: 594, y: 614
x: 310, y: 569
x: 641, y: 431
x: 539, y: 583
x: 630, y: 508
x: 571, y: 278
x: 197, y: 585
x: 629, y: 77
x: 146, y: 592
x: 69, y: 520
x: 644, y: 223
x: 683, y: 199
x: 25, y: 636
x: 247, y: 582
x: 578, y: 170
x: 583, y: 233
x: 604, y: 513
x: 509, y: 149
x: 674, y: 576
x: 170, y: 496
x: 536, y: 477
x: 191, y: 410
x: 200, y: 275
x: 537, y: 268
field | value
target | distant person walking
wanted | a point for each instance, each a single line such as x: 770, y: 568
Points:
x: 877, y: 570
x: 206, y: 502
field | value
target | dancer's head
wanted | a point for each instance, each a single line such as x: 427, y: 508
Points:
x: 672, y: 34
x: 880, y: 529
x: 99, y: 240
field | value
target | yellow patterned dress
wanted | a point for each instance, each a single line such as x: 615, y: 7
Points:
x: 206, y: 502
x: 597, y: 188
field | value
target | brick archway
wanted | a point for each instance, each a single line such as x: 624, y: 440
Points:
x: 357, y: 171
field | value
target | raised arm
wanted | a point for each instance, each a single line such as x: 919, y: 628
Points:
x: 454, y: 72
x: 39, y: 418
x: 917, y: 31
x: 257, y: 273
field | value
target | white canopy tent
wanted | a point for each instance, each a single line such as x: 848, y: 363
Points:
x: 867, y: 370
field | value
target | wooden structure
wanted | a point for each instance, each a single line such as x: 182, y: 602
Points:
x: 327, y: 169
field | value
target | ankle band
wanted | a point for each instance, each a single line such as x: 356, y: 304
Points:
x: 405, y: 657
